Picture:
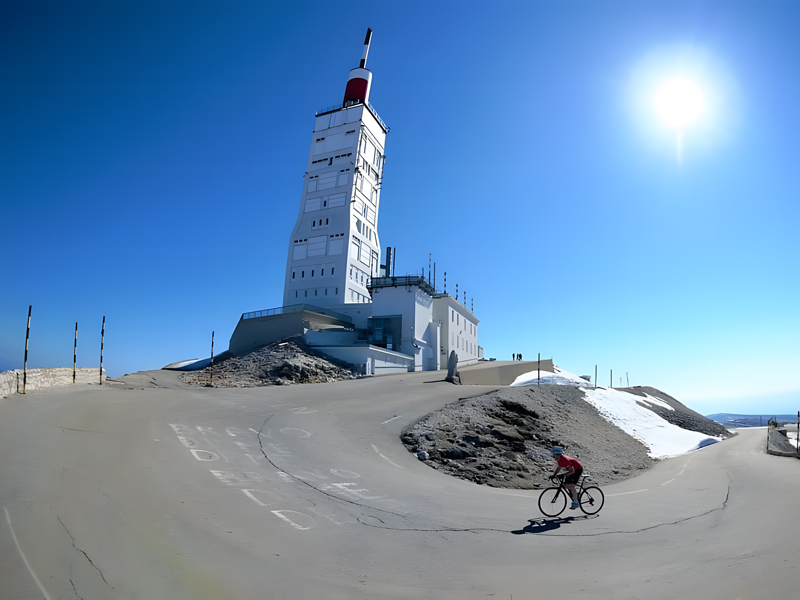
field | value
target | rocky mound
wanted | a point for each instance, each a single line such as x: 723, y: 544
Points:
x: 279, y: 363
x: 503, y: 439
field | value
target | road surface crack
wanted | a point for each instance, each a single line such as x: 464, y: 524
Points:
x: 71, y: 537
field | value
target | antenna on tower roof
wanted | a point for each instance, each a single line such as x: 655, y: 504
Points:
x: 363, y: 63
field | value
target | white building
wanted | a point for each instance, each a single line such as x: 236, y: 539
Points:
x: 335, y: 291
x: 334, y: 248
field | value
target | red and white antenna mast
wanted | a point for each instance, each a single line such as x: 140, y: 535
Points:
x: 360, y: 79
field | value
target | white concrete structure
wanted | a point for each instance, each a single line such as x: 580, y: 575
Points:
x: 334, y: 247
x: 336, y: 294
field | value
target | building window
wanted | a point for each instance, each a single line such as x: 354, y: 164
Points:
x: 322, y: 273
x: 306, y: 292
x: 326, y: 291
x: 315, y: 292
x: 293, y: 274
x: 332, y: 270
x: 302, y: 273
x: 295, y: 294
x: 312, y: 272
x: 337, y: 292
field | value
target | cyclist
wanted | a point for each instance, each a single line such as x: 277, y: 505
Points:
x: 573, y: 472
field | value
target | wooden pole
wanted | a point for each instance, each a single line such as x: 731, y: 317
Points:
x: 102, y: 339
x: 538, y: 360
x: 211, y: 372
x: 595, y: 376
x: 25, y: 364
x: 75, y: 354
x: 611, y: 378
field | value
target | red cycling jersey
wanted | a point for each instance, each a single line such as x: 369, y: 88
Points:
x: 566, y: 462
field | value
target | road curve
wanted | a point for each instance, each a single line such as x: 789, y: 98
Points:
x: 306, y: 492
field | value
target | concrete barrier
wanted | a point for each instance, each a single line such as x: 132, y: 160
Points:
x: 779, y: 445
x: 44, y: 378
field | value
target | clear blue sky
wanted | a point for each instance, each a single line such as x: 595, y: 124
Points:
x: 152, y: 159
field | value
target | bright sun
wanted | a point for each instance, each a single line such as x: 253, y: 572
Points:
x: 679, y: 103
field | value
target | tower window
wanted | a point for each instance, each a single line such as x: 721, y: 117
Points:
x: 312, y: 272
x: 293, y: 274
x: 302, y: 273
x: 322, y: 272
x: 332, y: 270
x: 315, y: 292
x: 306, y: 292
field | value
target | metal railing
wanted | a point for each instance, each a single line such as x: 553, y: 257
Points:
x: 295, y: 308
x: 350, y: 103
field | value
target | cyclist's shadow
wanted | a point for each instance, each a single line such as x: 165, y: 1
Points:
x: 546, y: 525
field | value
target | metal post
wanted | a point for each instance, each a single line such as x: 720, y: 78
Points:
x: 538, y: 360
x: 75, y: 354
x: 25, y: 364
x: 611, y: 378
x: 797, y: 439
x: 595, y: 376
x: 211, y: 372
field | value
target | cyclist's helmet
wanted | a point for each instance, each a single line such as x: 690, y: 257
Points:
x: 557, y: 451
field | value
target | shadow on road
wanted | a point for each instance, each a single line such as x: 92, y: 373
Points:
x: 547, y: 525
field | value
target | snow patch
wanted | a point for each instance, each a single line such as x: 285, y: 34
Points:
x: 623, y: 409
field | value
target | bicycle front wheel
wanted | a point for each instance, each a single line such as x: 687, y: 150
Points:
x: 552, y: 501
x: 591, y: 500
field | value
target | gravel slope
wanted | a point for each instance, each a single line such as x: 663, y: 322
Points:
x: 503, y: 439
x: 274, y: 364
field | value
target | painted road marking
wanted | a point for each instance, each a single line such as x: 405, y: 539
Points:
x: 239, y: 478
x: 279, y: 513
x: 294, y: 432
x: 345, y: 489
x: 385, y: 458
x: 230, y: 431
x: 344, y: 474
x: 679, y: 474
x: 518, y: 495
x: 25, y: 559
x: 390, y: 420
x: 625, y: 493
x: 204, y: 455
x: 264, y: 494
x: 186, y: 441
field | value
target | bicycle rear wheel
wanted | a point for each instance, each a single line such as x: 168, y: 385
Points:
x: 591, y: 500
x: 552, y: 501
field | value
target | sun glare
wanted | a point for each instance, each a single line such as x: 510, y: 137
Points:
x: 679, y: 103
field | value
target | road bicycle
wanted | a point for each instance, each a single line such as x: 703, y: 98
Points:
x: 553, y: 500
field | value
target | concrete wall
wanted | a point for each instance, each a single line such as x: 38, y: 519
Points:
x: 383, y: 361
x: 252, y: 333
x: 500, y: 372
x: 43, y: 378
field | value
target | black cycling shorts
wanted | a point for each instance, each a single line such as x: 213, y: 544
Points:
x: 573, y: 478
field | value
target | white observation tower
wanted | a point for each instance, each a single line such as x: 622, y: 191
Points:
x: 334, y: 248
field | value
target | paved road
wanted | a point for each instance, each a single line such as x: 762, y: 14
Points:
x: 306, y: 492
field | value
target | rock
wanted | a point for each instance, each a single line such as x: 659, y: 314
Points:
x: 422, y: 455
